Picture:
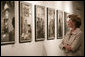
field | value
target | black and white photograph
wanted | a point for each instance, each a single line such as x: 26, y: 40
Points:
x: 25, y: 22
x: 39, y: 23
x: 59, y: 24
x: 50, y: 23
x: 7, y: 22
x: 66, y: 28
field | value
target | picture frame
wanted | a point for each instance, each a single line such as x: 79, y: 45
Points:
x: 59, y: 14
x: 50, y: 23
x: 39, y: 23
x: 7, y: 22
x: 25, y: 24
x: 66, y: 28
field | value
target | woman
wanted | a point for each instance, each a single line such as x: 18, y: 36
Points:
x: 71, y: 43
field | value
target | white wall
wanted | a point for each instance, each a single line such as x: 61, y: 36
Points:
x: 41, y: 48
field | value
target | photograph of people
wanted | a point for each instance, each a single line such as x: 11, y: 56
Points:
x: 60, y: 25
x: 51, y: 23
x: 7, y: 22
x: 40, y: 22
x: 25, y: 22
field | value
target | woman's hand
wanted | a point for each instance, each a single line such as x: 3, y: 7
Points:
x: 68, y: 47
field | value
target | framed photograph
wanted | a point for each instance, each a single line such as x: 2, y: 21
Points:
x: 66, y: 28
x: 7, y: 22
x: 59, y: 24
x: 50, y: 23
x: 25, y: 22
x: 39, y: 23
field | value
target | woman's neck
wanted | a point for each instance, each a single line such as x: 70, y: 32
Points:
x: 73, y: 29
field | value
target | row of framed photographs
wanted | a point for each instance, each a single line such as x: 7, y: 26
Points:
x: 25, y: 22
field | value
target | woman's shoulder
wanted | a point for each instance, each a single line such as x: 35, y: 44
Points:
x: 79, y: 31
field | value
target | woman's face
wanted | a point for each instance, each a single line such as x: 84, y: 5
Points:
x: 70, y: 23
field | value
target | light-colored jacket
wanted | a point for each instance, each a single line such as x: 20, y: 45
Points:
x: 74, y: 40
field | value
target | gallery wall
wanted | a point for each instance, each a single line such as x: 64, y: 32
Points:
x: 40, y: 48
